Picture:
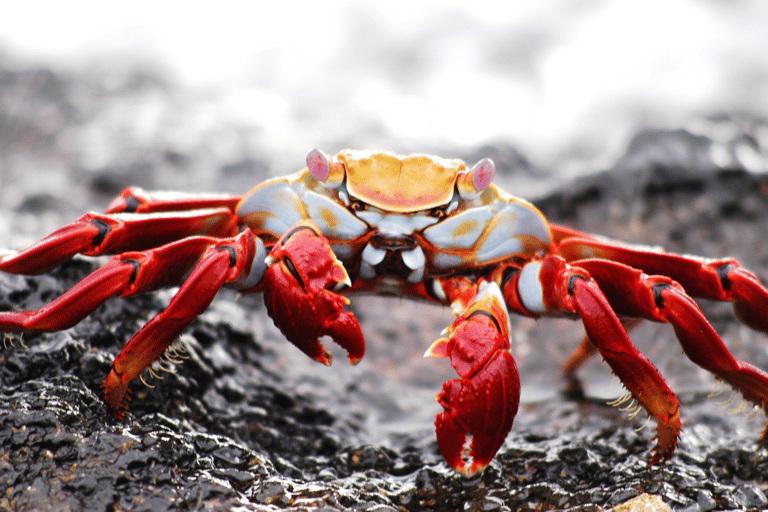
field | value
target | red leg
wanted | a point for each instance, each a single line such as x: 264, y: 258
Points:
x: 552, y: 287
x: 94, y: 234
x: 586, y: 349
x: 661, y: 299
x: 124, y: 275
x: 222, y: 262
x: 483, y: 402
x: 137, y: 200
x: 723, y: 279
x: 209, y: 261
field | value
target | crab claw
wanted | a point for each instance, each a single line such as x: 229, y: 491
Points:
x: 299, y: 292
x: 480, y: 406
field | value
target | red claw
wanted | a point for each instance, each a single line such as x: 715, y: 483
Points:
x: 483, y: 406
x: 298, y: 294
x: 484, y: 401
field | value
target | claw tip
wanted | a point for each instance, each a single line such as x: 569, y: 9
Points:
x: 438, y: 349
x: 344, y: 274
x: 324, y: 358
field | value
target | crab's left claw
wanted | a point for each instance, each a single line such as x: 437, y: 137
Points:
x: 480, y: 406
x: 300, y: 294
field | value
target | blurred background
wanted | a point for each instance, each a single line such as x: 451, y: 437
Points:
x: 567, y: 82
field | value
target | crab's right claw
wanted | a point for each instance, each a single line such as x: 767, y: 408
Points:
x: 300, y: 294
x: 480, y: 406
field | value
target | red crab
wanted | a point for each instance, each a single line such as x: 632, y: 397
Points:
x: 416, y: 226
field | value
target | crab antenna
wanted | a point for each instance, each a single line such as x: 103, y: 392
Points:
x: 318, y: 164
x: 483, y: 173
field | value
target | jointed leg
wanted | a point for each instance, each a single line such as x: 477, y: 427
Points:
x: 714, y: 279
x: 661, y: 299
x: 552, y: 287
x: 136, y: 220
x: 224, y: 261
x: 126, y: 274
x: 94, y: 234
x: 586, y: 349
x: 137, y: 200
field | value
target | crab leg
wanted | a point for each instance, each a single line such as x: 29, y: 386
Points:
x: 661, y: 299
x: 126, y: 274
x: 94, y: 234
x: 224, y: 261
x: 551, y: 287
x: 723, y: 279
x: 480, y: 406
x: 137, y: 200
x: 586, y: 349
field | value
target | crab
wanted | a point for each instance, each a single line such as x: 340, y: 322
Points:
x: 414, y: 226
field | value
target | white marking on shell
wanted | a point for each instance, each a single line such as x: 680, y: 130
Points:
x: 416, y: 276
x: 393, y: 224
x: 437, y: 290
x: 344, y: 196
x: 373, y: 256
x: 460, y: 231
x: 444, y: 260
x: 529, y: 288
x: 414, y: 259
x: 453, y: 204
x: 281, y: 206
x: 277, y: 205
x: 258, y: 267
x: 490, y: 233
x: 366, y: 271
x: 334, y: 220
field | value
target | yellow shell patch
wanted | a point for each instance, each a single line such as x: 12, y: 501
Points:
x: 399, y: 183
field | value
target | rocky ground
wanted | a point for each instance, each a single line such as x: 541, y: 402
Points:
x: 248, y: 423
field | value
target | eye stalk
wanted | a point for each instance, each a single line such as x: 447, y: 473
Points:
x: 477, y: 179
x: 330, y: 172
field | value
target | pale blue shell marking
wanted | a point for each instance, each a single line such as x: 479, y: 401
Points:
x: 334, y: 220
x: 489, y: 233
x: 514, y: 226
x: 278, y: 205
x: 530, y: 289
x: 258, y: 268
x: 460, y: 231
x: 395, y: 224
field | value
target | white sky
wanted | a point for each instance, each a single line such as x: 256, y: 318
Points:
x: 537, y: 74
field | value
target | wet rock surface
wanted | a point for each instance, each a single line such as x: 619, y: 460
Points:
x: 246, y: 421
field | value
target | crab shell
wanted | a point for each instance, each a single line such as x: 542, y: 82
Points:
x: 440, y: 216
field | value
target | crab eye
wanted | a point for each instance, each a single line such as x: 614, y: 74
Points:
x: 477, y: 179
x: 356, y: 206
x: 318, y: 164
x: 330, y: 172
x: 437, y: 213
x: 483, y: 173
